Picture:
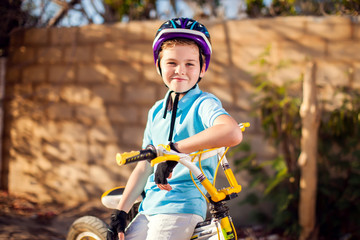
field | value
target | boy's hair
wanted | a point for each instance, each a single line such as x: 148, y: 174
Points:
x: 181, y: 42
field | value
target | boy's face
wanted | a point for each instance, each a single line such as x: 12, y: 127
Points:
x: 180, y: 67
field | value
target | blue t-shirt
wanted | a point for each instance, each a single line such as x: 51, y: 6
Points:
x: 196, y: 112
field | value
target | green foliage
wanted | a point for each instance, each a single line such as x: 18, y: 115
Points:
x: 338, y: 208
x: 255, y: 8
x: 278, y: 107
x: 282, y: 8
x: 134, y: 9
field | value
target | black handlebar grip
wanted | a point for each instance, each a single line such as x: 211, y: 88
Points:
x: 147, y: 154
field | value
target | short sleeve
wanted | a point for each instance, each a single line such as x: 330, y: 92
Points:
x: 209, y: 109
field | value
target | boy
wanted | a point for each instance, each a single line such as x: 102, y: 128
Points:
x: 188, y: 120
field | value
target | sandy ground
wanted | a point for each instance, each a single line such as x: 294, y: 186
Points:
x: 23, y: 219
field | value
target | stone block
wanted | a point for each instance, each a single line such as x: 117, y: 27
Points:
x: 63, y: 36
x: 333, y: 73
x: 34, y: 73
x: 218, y: 34
x: 124, y: 72
x: 122, y: 114
x: 117, y: 32
x: 133, y: 135
x: 144, y: 112
x: 107, y: 92
x: 140, y: 52
x: 308, y: 47
x: 47, y: 92
x: 13, y: 74
x: 61, y: 74
x: 76, y: 94
x: 244, y: 98
x: 345, y: 50
x: 23, y: 138
x: 47, y: 131
x: 49, y: 55
x: 221, y: 55
x: 92, y: 34
x: 286, y: 28
x: 356, y: 26
x: 253, y: 31
x: 244, y: 56
x: 96, y: 153
x: 36, y: 36
x: 17, y: 37
x: 150, y: 74
x: 78, y: 53
x: 332, y: 28
x: 104, y: 133
x: 89, y: 115
x: 150, y: 29
x: 22, y: 54
x: 110, y: 52
x: 356, y: 75
x: 60, y: 111
x: 93, y: 73
x: 288, y: 73
x: 101, y: 174
x: 61, y: 151
x: 142, y: 94
x: 81, y: 153
x: 135, y: 31
x: 72, y: 132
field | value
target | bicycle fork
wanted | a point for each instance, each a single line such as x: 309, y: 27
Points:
x: 220, y: 212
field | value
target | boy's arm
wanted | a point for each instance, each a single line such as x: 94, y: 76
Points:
x: 133, y: 189
x: 225, y: 132
x: 135, y: 185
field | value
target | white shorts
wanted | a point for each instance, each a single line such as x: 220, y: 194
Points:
x: 162, y: 226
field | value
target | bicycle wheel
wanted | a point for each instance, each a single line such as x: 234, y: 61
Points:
x: 87, y: 228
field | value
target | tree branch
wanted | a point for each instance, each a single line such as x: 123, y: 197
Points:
x: 62, y: 12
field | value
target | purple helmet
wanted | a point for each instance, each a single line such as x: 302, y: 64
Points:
x: 183, y: 28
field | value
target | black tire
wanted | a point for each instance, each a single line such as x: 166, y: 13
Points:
x: 87, y: 228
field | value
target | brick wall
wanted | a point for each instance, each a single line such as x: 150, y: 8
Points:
x: 76, y: 96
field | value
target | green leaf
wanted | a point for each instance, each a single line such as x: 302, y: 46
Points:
x: 280, y: 176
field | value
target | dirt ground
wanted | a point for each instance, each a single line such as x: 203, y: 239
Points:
x: 22, y: 219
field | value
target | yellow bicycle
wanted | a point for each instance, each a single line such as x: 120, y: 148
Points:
x: 219, y: 227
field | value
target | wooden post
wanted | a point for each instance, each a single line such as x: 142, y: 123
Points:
x: 309, y: 113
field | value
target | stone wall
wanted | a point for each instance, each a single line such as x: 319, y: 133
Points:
x: 76, y: 96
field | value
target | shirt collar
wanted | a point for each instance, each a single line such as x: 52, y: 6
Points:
x: 186, y: 100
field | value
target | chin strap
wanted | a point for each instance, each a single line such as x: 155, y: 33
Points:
x: 174, y: 107
x: 173, y: 114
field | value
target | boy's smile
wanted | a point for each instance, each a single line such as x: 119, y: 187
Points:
x: 180, y: 67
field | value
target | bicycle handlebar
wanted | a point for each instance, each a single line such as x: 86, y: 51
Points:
x: 163, y: 153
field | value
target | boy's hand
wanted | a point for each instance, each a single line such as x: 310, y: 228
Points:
x: 117, y: 225
x: 164, y: 171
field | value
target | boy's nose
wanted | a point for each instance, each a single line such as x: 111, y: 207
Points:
x: 180, y: 70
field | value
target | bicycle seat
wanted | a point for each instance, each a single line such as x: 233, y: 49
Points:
x: 111, y: 198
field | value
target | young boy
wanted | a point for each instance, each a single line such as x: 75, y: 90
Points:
x: 188, y: 120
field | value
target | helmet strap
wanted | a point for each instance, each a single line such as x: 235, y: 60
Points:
x: 174, y: 107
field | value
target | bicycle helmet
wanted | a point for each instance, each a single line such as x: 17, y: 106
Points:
x: 183, y: 28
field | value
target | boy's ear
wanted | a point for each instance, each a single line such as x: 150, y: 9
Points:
x: 158, y: 67
x: 203, y: 70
